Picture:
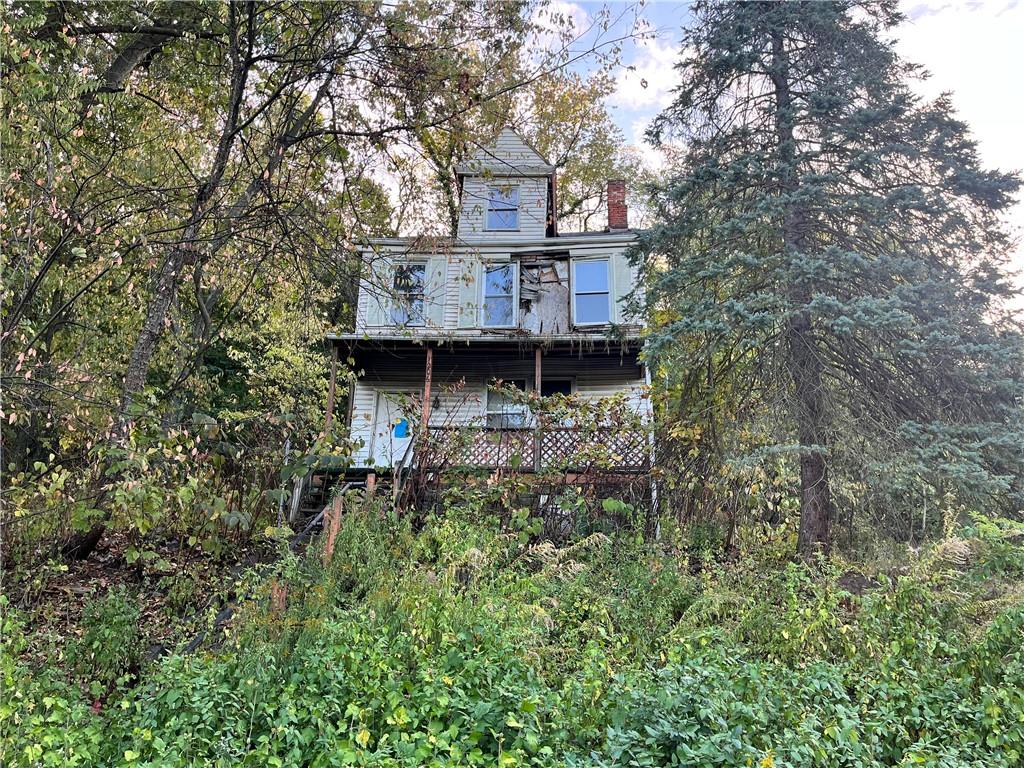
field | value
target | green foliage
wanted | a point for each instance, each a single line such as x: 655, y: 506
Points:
x: 111, y: 647
x: 828, y: 279
x: 457, y: 645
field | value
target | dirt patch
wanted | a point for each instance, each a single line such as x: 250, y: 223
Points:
x: 173, y: 587
x: 856, y: 583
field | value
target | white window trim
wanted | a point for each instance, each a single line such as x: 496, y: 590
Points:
x: 523, y: 409
x: 396, y: 302
x: 572, y: 289
x: 481, y: 314
x: 487, y: 207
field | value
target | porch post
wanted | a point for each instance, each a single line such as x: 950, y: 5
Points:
x: 537, y: 356
x: 536, y: 370
x: 428, y: 375
x: 332, y: 389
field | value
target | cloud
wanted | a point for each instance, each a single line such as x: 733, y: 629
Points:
x: 975, y: 51
x: 648, y: 79
x: 552, y: 21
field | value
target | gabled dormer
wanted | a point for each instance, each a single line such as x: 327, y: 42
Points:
x: 508, y: 192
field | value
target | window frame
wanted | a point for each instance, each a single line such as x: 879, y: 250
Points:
x: 522, y: 410
x: 484, y: 267
x: 400, y: 300
x: 608, y: 292
x: 501, y: 189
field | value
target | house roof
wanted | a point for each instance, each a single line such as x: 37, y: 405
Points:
x: 618, y: 237
x: 508, y: 155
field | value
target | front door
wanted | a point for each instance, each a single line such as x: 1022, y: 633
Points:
x: 392, y: 431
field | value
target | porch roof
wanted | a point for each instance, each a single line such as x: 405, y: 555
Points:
x: 389, y: 357
x: 453, y: 340
x: 361, y: 345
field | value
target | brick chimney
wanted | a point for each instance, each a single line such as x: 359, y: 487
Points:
x: 618, y: 218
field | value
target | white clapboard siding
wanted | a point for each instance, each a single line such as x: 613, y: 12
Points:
x: 533, y: 209
x: 458, y: 406
x: 454, y: 282
x: 508, y: 155
x: 595, y: 390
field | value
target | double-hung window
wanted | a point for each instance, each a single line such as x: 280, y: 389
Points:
x: 591, y: 297
x: 499, y: 295
x: 504, y: 411
x: 410, y: 281
x: 503, y: 208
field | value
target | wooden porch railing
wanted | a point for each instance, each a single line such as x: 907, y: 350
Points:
x: 602, y: 449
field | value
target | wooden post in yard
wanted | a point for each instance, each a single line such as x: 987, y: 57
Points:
x: 332, y: 389
x: 537, y: 377
x: 278, y: 598
x: 333, y: 525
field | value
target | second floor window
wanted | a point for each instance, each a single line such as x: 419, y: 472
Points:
x: 499, y: 295
x: 410, y: 280
x: 503, y: 208
x: 590, y: 293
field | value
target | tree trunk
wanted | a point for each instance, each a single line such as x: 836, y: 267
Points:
x: 804, y: 363
x: 816, y: 508
x: 183, y: 255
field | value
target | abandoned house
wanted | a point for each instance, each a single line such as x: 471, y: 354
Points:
x: 446, y: 329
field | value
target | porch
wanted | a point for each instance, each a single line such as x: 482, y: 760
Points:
x: 566, y: 449
x: 485, y: 403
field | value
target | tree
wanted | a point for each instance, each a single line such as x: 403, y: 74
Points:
x: 829, y: 243
x: 566, y: 119
x: 181, y: 171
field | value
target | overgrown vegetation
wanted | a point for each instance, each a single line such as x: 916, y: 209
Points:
x: 459, y: 645
x: 186, y: 184
x: 833, y: 365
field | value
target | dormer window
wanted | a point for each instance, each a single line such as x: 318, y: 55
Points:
x: 499, y: 299
x: 591, y: 297
x: 410, y: 280
x: 503, y: 208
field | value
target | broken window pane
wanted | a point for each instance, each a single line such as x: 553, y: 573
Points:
x: 409, y: 283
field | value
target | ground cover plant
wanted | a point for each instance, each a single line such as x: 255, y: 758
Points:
x: 831, y: 572
x: 458, y: 644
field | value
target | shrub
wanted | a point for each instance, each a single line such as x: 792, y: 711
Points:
x: 457, y: 645
x: 111, y: 647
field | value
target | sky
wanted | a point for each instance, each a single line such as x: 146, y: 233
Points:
x: 973, y: 49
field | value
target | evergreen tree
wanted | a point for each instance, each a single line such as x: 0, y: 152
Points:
x: 829, y: 242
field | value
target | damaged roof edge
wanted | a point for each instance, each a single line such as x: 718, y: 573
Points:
x: 536, y: 339
x: 571, y: 238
